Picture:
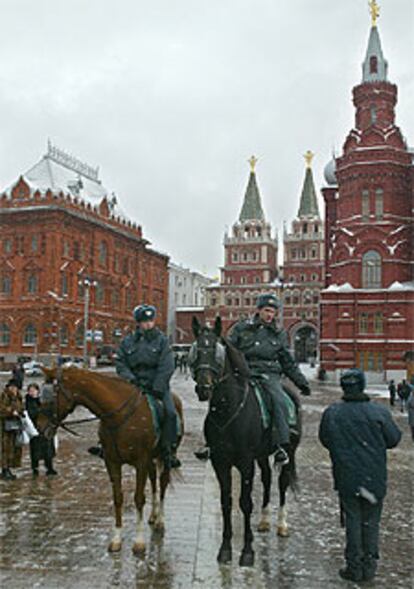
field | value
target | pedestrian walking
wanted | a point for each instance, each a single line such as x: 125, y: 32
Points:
x: 393, y: 391
x: 11, y: 412
x: 403, y: 390
x: 410, y: 408
x: 357, y: 433
x: 18, y: 374
x: 40, y: 447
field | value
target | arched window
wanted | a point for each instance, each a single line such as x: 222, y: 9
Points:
x: 32, y: 283
x: 4, y: 334
x: 296, y: 297
x: 99, y: 294
x: 5, y: 284
x: 287, y: 297
x: 64, y: 284
x: 79, y: 336
x: 29, y: 335
x: 373, y: 111
x: 103, y: 253
x: 373, y: 64
x: 379, y: 204
x: 307, y: 297
x: 371, y: 270
x: 64, y: 335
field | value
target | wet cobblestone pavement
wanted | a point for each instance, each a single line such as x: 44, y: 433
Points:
x: 54, y: 531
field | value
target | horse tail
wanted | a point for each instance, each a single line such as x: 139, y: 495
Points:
x: 293, y: 475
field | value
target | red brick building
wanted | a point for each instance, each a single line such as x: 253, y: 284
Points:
x: 60, y: 226
x: 368, y: 305
x: 250, y: 261
x: 303, y: 272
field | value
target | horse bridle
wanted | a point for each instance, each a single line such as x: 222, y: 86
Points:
x: 58, y: 386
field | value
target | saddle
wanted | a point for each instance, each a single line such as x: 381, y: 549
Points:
x: 157, y: 412
x: 265, y: 404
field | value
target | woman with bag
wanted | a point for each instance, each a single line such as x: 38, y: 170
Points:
x: 11, y: 412
x: 40, y: 447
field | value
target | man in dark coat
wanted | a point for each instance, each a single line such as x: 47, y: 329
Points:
x: 18, y: 374
x: 40, y: 447
x: 265, y: 348
x: 357, y: 434
x: 146, y: 360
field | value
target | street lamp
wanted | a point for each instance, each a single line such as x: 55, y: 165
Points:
x: 86, y: 283
x: 59, y: 299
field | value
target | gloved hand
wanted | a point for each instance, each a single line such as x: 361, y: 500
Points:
x: 305, y: 390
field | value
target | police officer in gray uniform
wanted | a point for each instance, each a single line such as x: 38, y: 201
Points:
x: 358, y: 433
x: 146, y: 360
x: 265, y: 348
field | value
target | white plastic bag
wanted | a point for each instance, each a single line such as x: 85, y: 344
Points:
x: 22, y: 438
x: 28, y: 426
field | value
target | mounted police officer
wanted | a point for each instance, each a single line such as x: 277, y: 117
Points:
x: 146, y: 360
x: 357, y: 434
x: 265, y: 348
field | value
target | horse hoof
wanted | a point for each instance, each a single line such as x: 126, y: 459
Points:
x: 159, y: 526
x: 114, y: 546
x: 224, y: 556
x: 263, y: 527
x: 246, y: 559
x: 282, y: 531
x: 138, y: 548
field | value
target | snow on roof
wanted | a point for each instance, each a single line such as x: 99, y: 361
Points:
x: 60, y: 172
x: 189, y: 309
x: 339, y: 288
x: 346, y: 287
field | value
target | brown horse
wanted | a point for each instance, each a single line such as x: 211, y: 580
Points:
x: 126, y: 432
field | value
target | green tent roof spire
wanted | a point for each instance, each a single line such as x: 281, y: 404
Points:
x: 308, y: 202
x: 252, y: 206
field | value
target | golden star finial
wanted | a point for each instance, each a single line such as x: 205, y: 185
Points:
x: 308, y: 158
x: 252, y: 161
x: 375, y: 11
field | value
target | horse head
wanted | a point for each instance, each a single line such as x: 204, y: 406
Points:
x: 206, y: 358
x: 57, y: 401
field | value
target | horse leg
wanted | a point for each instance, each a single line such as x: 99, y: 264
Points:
x: 223, y: 473
x: 159, y: 524
x: 154, y: 503
x: 266, y: 476
x: 141, y: 479
x: 246, y: 505
x: 284, y: 478
x: 115, y: 474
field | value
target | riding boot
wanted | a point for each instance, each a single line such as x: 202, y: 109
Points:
x: 281, y: 457
x: 175, y: 461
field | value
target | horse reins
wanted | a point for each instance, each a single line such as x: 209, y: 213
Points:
x: 136, y: 396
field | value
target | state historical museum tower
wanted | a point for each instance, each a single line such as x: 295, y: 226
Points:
x: 367, y: 306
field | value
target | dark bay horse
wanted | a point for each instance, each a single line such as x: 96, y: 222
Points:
x: 126, y: 432
x: 236, y: 436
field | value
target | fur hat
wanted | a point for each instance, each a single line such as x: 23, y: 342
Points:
x: 267, y: 300
x: 353, y: 382
x: 144, y: 313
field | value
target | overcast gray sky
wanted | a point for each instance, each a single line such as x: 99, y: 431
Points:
x: 171, y: 97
